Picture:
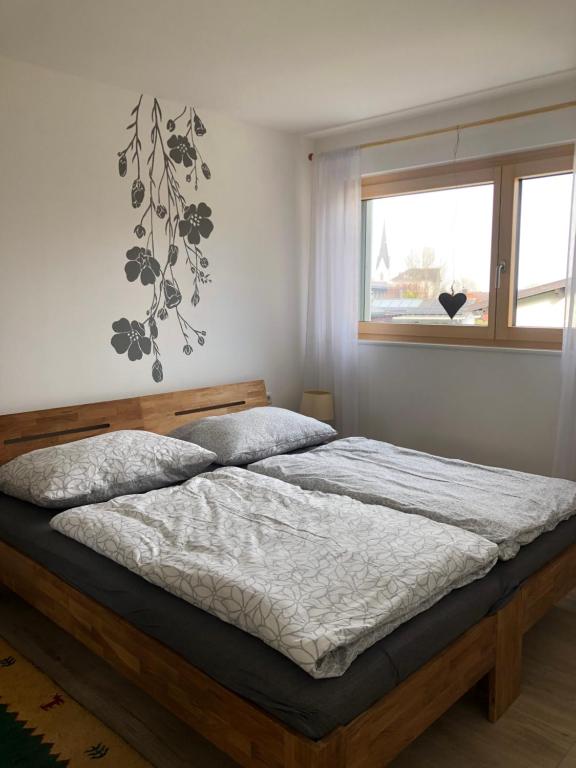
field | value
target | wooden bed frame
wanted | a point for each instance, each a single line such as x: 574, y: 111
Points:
x: 491, y: 649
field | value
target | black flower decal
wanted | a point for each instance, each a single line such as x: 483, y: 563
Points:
x: 196, y: 223
x: 172, y: 294
x: 170, y: 228
x: 141, y: 264
x: 130, y: 337
x: 199, y: 127
x: 137, y: 193
x: 181, y: 151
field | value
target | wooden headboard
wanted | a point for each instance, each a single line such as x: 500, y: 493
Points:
x: 23, y: 432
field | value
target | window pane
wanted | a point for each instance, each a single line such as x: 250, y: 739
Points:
x: 427, y: 243
x: 543, y: 233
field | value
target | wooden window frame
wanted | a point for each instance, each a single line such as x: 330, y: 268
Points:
x: 505, y: 172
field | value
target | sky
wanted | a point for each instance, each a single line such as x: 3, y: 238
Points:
x: 544, y: 229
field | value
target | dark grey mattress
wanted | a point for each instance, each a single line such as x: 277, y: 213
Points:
x: 246, y: 665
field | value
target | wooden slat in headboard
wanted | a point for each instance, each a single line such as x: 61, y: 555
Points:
x: 22, y: 432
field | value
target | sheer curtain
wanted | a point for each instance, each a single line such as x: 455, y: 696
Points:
x: 331, y: 360
x: 565, y: 455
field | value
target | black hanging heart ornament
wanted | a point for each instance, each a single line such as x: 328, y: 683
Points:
x: 452, y: 302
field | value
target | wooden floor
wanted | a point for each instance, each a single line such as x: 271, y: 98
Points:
x: 539, y: 731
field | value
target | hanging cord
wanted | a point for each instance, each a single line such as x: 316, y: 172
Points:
x: 455, y: 216
x: 457, y: 142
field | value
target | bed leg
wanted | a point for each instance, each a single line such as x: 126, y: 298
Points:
x: 505, y: 678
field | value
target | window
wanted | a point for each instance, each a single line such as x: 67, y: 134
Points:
x: 410, y: 265
x: 471, y: 253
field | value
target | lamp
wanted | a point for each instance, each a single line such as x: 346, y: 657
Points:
x: 317, y: 403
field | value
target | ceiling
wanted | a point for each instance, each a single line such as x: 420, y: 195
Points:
x: 297, y: 65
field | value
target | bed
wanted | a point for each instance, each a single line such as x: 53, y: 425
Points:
x: 237, y: 692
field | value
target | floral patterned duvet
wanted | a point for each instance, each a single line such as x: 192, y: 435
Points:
x: 318, y: 577
x: 507, y: 507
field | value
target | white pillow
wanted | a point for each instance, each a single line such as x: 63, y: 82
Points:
x: 99, y: 468
x: 240, y: 438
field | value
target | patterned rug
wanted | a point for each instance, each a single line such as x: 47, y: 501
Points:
x: 42, y: 727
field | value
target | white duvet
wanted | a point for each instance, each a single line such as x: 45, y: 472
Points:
x: 316, y: 576
x: 507, y: 507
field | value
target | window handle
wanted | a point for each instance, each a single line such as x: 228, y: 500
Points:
x: 501, y: 267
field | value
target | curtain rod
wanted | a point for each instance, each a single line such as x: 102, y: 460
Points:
x: 463, y: 126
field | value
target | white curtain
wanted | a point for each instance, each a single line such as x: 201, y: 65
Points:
x: 565, y: 455
x: 331, y: 360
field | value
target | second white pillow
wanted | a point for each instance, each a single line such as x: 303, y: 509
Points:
x: 247, y: 436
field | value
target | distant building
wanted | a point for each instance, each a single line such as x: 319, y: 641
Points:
x: 392, y: 302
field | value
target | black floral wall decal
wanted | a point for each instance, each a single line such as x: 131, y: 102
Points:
x: 170, y: 230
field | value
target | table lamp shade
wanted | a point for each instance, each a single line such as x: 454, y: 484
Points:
x: 317, y: 403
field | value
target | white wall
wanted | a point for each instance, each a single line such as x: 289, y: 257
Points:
x: 491, y: 406
x: 66, y: 223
